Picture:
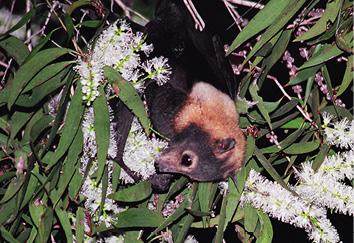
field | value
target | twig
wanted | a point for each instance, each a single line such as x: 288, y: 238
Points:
x: 5, y: 73
x: 126, y: 8
x: 234, y: 14
x: 302, y: 111
x: 247, y: 3
x: 28, y: 26
x: 6, y: 65
x: 123, y: 7
x: 199, y: 22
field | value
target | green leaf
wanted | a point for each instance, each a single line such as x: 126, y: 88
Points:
x: 281, y: 41
x: 250, y: 147
x: 222, y: 219
x: 45, y: 74
x: 335, y: 111
x: 262, y: 20
x: 129, y: 96
x: 348, y: 76
x: 294, y: 123
x: 8, y: 209
x: 302, y: 148
x: 288, y: 141
x: 42, y: 91
x: 14, y: 186
x: 17, y: 121
x: 91, y: 23
x: 326, y: 53
x: 260, y: 104
x: 71, y: 126
x: 132, y: 237
x: 15, y: 48
x: 76, y: 5
x: 68, y: 22
x: 65, y: 223
x: 42, y: 124
x: 272, y: 106
x: 31, y: 187
x: 266, y: 233
x: 69, y: 167
x: 101, y: 124
x: 320, y: 157
x: 180, y: 211
x: 41, y: 43
x: 251, y: 218
x: 288, y: 12
x: 176, y: 187
x: 25, y: 73
x: 24, y: 20
x: 283, y: 109
x: 7, y: 236
x: 134, y: 193
x: 203, y: 195
x: 80, y: 228
x: 321, y: 25
x: 304, y: 74
x: 269, y: 168
x: 233, y: 198
x: 137, y: 217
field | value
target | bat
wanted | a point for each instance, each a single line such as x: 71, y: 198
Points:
x: 195, y: 109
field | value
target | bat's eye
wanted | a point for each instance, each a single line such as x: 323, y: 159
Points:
x: 186, y: 160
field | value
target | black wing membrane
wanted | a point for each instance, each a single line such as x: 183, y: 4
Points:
x: 199, y: 53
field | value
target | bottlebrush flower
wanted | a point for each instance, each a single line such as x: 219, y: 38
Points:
x: 339, y: 133
x: 324, y: 190
x: 119, y: 47
x: 279, y: 203
x: 140, y: 153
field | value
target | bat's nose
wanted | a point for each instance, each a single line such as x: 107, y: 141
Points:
x: 160, y: 166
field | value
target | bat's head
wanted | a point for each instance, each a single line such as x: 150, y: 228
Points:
x: 209, y: 145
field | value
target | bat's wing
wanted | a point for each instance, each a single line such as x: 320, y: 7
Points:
x: 199, y: 53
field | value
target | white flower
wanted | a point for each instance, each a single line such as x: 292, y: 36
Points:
x: 140, y: 153
x: 162, y: 70
x: 223, y: 187
x: 90, y: 78
x: 342, y: 134
x: 327, y: 118
x: 339, y: 166
x: 325, y: 191
x: 90, y: 189
x: 279, y: 203
x: 190, y: 239
x: 119, y: 47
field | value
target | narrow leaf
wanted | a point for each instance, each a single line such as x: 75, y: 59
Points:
x: 25, y: 73
x: 129, y: 96
x: 72, y: 123
x: 134, y: 193
x: 15, y: 48
x: 262, y: 20
x: 101, y: 124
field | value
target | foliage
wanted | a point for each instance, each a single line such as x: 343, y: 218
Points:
x: 42, y: 110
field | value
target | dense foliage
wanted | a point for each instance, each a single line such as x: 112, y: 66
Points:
x: 59, y: 182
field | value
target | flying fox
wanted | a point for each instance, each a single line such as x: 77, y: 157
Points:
x: 195, y: 110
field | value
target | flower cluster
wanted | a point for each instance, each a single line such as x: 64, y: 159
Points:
x: 140, y: 153
x: 119, y: 47
x: 317, y: 190
x: 339, y: 133
x: 279, y: 203
x: 90, y: 188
